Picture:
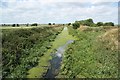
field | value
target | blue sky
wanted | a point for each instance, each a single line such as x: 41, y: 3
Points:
x: 58, y: 11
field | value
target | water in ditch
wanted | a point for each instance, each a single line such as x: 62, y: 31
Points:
x: 55, y: 63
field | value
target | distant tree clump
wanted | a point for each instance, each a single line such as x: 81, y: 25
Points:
x: 27, y: 24
x: 99, y: 24
x: 76, y: 25
x: 34, y: 24
x: 69, y: 24
x: 13, y: 25
x: 88, y: 22
x: 53, y: 23
x: 49, y: 24
x: 3, y: 24
x: 17, y: 25
x: 109, y: 24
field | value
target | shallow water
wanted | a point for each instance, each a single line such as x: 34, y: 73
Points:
x: 56, y: 61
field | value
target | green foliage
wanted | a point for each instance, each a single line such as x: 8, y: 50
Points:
x: 17, y: 25
x: 88, y: 22
x: 99, y: 24
x: 27, y: 24
x: 49, y: 24
x: 13, y: 25
x: 69, y: 24
x: 34, y: 24
x: 88, y: 57
x: 21, y: 49
x: 53, y: 23
x: 109, y: 24
x: 76, y: 25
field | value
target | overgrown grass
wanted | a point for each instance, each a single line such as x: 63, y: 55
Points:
x: 89, y: 56
x: 22, y: 48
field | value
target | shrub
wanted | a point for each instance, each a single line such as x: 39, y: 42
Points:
x: 88, y: 22
x: 21, y: 49
x: 27, y: 24
x: 13, y: 25
x: 53, y: 23
x: 99, y: 24
x: 49, y: 24
x: 17, y: 25
x: 109, y: 24
x: 34, y: 24
x: 69, y: 24
x: 76, y: 25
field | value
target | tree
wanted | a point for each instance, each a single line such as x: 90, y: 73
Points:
x: 88, y: 22
x: 17, y: 25
x: 99, y: 24
x: 69, y: 24
x: 76, y: 25
x: 34, y: 24
x: 109, y: 24
x: 49, y: 24
x: 13, y: 25
x: 53, y: 23
x: 27, y: 24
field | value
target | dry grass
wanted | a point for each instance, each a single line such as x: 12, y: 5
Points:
x: 82, y: 28
x: 110, y: 36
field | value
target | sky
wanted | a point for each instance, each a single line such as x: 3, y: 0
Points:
x: 57, y: 11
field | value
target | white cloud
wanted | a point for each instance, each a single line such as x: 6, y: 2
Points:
x: 44, y: 11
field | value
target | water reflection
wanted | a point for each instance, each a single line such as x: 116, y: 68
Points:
x: 56, y: 61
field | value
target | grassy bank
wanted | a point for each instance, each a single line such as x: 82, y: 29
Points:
x: 93, y: 55
x: 22, y: 48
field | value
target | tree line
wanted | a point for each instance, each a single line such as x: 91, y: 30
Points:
x: 17, y: 25
x: 90, y: 22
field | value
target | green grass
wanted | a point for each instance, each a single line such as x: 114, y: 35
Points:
x: 89, y: 57
x: 21, y: 27
x: 60, y: 40
x: 37, y: 72
x: 21, y: 49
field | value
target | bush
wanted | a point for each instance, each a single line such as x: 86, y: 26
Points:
x: 49, y: 24
x: 88, y: 22
x: 13, y: 25
x: 27, y: 24
x: 76, y: 25
x: 21, y: 49
x: 109, y: 24
x: 69, y: 24
x: 34, y: 24
x: 99, y: 24
x: 53, y: 23
x: 18, y: 25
